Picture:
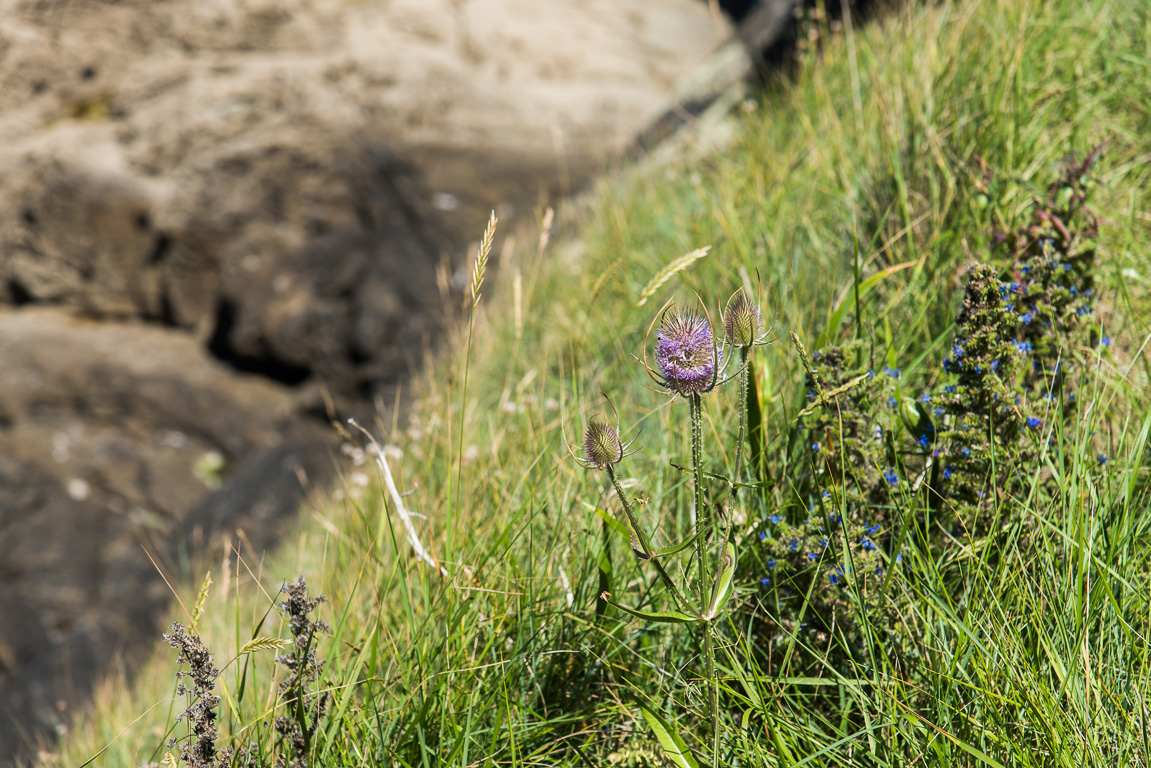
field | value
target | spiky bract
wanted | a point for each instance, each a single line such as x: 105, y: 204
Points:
x: 742, y: 321
x: 601, y: 445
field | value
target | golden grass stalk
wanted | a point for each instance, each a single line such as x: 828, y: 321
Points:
x: 481, y: 265
x: 670, y: 271
x: 201, y: 598
x: 262, y: 644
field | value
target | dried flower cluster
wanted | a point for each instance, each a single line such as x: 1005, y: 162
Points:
x: 305, y: 706
x: 200, y: 749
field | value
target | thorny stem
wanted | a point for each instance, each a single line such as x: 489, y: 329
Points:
x: 702, y: 517
x: 703, y: 522
x: 644, y: 543
x: 713, y: 693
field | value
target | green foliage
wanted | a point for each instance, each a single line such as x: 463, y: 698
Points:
x: 1007, y: 629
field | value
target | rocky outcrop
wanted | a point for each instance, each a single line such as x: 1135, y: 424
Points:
x: 211, y: 210
x: 281, y: 179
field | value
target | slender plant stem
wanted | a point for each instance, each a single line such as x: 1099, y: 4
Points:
x: 702, y: 517
x: 453, y: 499
x: 645, y: 543
x: 703, y: 538
x: 743, y: 374
x: 712, y: 693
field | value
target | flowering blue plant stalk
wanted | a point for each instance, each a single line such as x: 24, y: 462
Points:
x: 689, y: 361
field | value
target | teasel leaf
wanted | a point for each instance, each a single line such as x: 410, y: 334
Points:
x: 660, y: 617
x: 674, y: 747
x: 613, y: 523
x: 721, y: 590
x: 261, y: 644
x: 675, y: 549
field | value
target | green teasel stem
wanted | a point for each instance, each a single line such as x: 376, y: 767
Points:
x: 644, y: 543
x: 712, y: 692
x: 702, y: 514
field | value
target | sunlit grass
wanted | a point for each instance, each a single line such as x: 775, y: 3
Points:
x: 1030, y: 650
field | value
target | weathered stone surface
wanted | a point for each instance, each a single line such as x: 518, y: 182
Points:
x: 253, y: 171
x: 103, y: 427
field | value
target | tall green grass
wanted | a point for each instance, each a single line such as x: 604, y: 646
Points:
x: 1030, y: 650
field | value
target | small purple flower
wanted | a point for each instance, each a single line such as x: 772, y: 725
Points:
x: 762, y: 535
x: 1106, y: 341
x: 794, y: 544
x: 1033, y: 422
x: 924, y: 441
x: 1102, y: 458
x: 815, y: 447
x: 766, y: 580
x: 1027, y: 318
x: 686, y: 353
x: 891, y: 478
x: 774, y: 519
x: 925, y: 398
x: 771, y: 564
x: 812, y: 556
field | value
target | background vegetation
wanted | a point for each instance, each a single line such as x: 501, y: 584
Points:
x: 879, y: 171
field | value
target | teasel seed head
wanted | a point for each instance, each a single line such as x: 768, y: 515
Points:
x: 742, y: 321
x: 601, y: 445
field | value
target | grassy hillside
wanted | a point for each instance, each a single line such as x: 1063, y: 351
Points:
x: 968, y: 587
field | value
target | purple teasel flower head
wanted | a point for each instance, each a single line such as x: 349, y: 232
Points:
x: 602, y: 447
x: 743, y: 321
x: 686, y: 353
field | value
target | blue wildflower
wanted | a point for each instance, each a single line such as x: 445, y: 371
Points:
x: 793, y: 545
x: 1106, y: 341
x: 1033, y: 422
x: 762, y: 535
x: 1027, y: 318
x: 774, y: 519
x: 771, y: 564
x: 1102, y: 458
x: 891, y: 478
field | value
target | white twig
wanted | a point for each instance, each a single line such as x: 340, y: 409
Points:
x: 404, y: 515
